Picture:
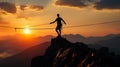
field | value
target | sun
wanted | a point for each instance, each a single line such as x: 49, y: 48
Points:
x: 27, y: 30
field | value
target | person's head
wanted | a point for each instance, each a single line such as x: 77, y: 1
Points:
x: 58, y: 15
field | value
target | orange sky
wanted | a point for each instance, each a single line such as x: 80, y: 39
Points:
x: 73, y: 15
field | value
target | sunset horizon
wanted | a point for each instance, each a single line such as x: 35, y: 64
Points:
x: 19, y: 14
x: 59, y: 33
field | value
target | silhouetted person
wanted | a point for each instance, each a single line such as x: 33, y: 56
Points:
x: 59, y: 24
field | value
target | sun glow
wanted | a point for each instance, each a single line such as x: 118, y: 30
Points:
x: 27, y: 30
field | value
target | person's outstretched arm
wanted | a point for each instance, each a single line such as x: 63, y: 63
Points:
x: 64, y: 21
x: 53, y: 22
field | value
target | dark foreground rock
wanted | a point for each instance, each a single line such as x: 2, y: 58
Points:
x: 62, y: 53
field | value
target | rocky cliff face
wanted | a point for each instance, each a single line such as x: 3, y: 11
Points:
x: 62, y: 53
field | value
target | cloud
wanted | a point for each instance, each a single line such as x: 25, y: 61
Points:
x: 107, y: 4
x: 10, y: 12
x: 98, y: 4
x: 73, y: 3
x: 9, y: 7
x: 22, y: 7
x: 36, y: 7
x: 32, y: 2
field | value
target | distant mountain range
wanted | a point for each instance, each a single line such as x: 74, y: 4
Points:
x: 62, y: 52
x: 113, y: 44
x: 89, y: 40
x: 15, y: 44
x: 112, y: 41
x: 24, y: 58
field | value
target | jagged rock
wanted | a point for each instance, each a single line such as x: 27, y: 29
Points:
x: 62, y: 53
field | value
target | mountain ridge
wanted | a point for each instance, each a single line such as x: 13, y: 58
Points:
x: 62, y: 53
x: 12, y: 46
x: 20, y: 59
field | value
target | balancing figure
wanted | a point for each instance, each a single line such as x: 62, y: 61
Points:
x: 59, y: 24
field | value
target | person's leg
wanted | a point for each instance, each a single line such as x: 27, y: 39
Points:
x: 60, y: 29
x: 60, y: 32
x: 57, y: 31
